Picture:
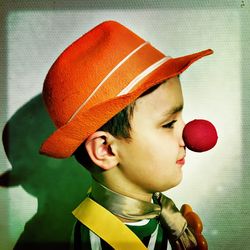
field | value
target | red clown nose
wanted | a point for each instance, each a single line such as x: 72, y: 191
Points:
x: 200, y: 135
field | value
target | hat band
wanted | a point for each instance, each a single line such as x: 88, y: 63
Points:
x: 106, y: 78
x: 146, y: 72
x: 150, y: 59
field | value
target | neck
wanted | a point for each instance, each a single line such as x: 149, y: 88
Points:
x: 122, y: 187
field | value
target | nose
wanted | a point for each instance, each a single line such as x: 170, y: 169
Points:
x: 180, y: 133
x: 200, y: 135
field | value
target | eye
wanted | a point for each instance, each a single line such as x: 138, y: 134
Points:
x: 170, y: 124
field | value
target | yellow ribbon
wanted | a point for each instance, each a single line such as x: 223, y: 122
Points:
x: 107, y: 226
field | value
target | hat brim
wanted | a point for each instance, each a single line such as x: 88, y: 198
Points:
x: 66, y: 139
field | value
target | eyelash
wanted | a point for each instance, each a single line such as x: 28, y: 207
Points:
x: 170, y: 124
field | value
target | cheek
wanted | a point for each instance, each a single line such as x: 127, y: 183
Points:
x: 155, y: 149
x: 160, y: 156
x: 166, y: 145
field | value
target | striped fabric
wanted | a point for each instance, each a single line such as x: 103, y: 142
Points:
x: 151, y: 234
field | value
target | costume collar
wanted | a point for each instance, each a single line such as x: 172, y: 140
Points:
x: 129, y: 208
x: 123, y: 206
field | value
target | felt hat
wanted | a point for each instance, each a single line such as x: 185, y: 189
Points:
x: 96, y: 77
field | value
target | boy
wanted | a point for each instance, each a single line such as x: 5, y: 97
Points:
x: 117, y: 104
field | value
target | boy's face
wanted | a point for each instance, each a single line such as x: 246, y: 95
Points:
x: 153, y: 159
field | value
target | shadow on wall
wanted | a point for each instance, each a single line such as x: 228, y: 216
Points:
x: 59, y: 185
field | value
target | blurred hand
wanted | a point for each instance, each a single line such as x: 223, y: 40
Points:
x: 195, y: 225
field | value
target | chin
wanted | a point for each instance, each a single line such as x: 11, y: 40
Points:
x: 171, y: 185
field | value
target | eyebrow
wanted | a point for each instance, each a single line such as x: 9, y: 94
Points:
x: 174, y: 110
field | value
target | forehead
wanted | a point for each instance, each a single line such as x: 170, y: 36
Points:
x: 163, y: 100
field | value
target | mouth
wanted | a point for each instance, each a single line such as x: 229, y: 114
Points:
x: 181, y: 161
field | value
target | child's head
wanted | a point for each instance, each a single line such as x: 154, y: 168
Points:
x: 111, y: 72
x: 148, y: 149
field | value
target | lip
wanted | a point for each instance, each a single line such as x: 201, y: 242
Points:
x: 181, y: 161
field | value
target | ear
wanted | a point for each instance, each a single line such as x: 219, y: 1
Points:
x: 100, y: 147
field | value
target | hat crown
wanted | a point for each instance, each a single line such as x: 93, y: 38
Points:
x: 84, y: 64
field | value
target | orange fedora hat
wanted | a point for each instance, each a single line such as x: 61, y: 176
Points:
x: 96, y: 77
